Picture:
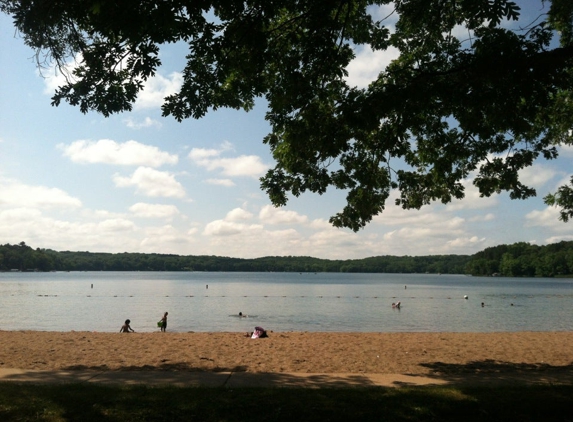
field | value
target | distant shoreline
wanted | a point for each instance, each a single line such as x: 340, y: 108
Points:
x: 518, y: 260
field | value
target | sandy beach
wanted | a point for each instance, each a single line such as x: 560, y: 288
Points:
x: 300, y: 352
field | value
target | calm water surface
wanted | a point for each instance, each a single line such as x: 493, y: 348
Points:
x: 198, y: 301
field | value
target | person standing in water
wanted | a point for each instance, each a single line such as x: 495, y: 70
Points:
x: 164, y: 322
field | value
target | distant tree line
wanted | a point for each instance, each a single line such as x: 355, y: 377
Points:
x: 519, y: 259
x: 524, y: 260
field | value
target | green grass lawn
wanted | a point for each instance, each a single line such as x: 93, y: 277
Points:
x: 92, y: 402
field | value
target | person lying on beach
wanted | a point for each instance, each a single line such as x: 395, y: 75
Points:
x: 259, y: 332
x: 125, y: 328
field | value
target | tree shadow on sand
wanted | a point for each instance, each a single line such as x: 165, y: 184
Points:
x: 492, y: 371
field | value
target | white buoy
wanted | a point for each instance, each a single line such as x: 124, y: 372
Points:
x: 465, y: 296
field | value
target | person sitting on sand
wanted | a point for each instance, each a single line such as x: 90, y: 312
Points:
x: 125, y: 328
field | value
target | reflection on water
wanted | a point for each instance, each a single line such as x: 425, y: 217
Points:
x: 101, y: 301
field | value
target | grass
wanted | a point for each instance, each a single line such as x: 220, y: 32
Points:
x: 93, y: 402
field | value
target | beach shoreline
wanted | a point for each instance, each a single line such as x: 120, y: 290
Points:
x: 420, y: 354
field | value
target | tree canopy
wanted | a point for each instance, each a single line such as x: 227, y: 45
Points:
x: 485, y: 104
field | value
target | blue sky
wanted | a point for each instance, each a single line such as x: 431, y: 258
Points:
x: 137, y: 182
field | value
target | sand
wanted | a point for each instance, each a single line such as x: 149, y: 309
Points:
x: 300, y: 352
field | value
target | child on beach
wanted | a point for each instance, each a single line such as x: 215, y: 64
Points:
x: 125, y: 328
x: 164, y: 322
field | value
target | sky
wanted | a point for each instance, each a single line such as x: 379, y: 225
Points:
x: 139, y: 182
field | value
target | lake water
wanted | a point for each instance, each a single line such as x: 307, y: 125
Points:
x: 197, y: 301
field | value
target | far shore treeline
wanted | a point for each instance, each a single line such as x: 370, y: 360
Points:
x: 516, y: 260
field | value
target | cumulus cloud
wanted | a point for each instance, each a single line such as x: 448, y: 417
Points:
x: 130, y: 153
x: 152, y: 182
x: 320, y: 224
x: 145, y: 210
x: 367, y: 64
x: 167, y: 238
x: 485, y: 217
x: 231, y: 225
x: 145, y: 123
x: 462, y: 242
x: 560, y: 238
x: 549, y: 217
x: 538, y: 175
x: 16, y: 194
x: 472, y: 199
x: 36, y: 228
x: 272, y: 215
x: 238, y: 214
x: 229, y: 228
x: 244, y: 165
x: 156, y: 89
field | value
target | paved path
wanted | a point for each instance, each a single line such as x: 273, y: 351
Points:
x: 252, y: 379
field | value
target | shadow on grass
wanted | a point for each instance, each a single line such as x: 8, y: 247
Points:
x: 490, y: 371
x: 96, y: 402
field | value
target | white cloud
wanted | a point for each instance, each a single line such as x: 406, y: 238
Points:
x: 272, y: 215
x: 16, y: 194
x: 244, y: 165
x: 167, y: 238
x: 152, y: 182
x: 116, y: 225
x: 230, y: 228
x: 549, y: 217
x: 145, y: 210
x: 485, y: 217
x: 472, y: 199
x: 463, y: 242
x: 221, y: 182
x: 39, y: 230
x: 238, y: 214
x: 145, y: 123
x: 367, y: 64
x: 54, y: 79
x: 129, y: 153
x: 156, y: 89
x: 559, y: 238
x: 566, y: 150
x: 538, y: 175
x: 320, y: 224
x: 326, y: 239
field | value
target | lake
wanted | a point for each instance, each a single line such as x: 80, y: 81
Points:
x: 203, y: 301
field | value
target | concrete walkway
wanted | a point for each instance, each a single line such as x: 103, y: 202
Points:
x: 252, y: 379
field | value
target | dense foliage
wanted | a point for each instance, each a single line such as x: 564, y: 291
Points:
x: 524, y: 259
x: 519, y: 259
x: 466, y: 98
